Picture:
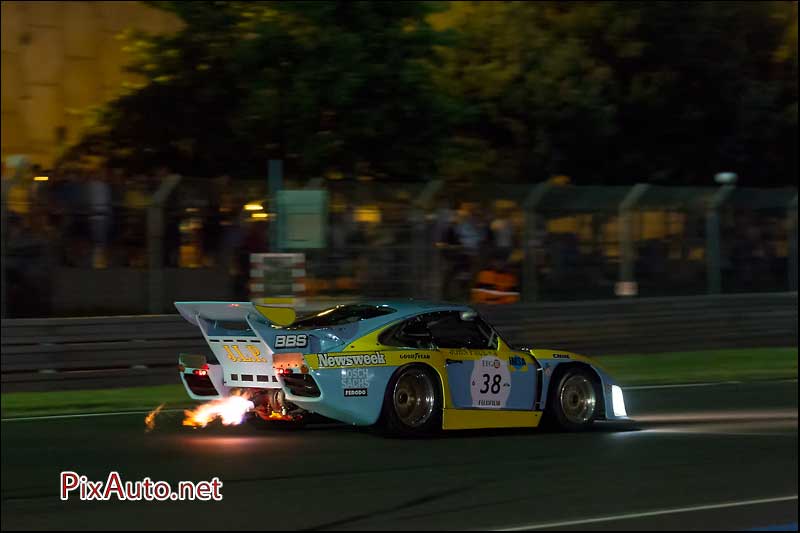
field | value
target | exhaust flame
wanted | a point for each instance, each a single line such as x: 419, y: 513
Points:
x: 230, y: 411
x: 150, y: 419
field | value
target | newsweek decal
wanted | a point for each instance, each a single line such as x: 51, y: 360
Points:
x: 490, y: 383
x: 330, y: 361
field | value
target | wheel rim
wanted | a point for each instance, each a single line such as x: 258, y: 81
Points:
x: 414, y: 398
x: 578, y: 399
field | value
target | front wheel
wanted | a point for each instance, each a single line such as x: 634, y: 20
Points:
x: 574, y: 401
x: 412, y: 404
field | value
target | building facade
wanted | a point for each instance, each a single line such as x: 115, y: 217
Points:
x: 61, y: 58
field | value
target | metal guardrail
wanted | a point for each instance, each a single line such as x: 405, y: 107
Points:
x: 106, y: 352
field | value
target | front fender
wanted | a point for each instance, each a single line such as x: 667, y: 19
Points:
x: 551, y: 360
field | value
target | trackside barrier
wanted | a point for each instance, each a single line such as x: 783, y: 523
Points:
x: 123, y: 351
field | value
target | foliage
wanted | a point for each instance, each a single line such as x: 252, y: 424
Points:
x: 326, y: 86
x: 619, y: 92
x: 605, y: 92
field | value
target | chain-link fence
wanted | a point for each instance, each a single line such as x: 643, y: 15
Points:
x: 86, y: 244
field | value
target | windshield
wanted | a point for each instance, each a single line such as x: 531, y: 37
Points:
x: 343, y: 314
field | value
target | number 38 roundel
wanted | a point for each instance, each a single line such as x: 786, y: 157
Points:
x: 490, y: 383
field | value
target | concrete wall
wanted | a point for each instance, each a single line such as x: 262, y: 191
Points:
x: 58, y: 57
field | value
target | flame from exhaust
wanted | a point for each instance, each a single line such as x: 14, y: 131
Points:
x: 274, y: 415
x: 150, y: 419
x: 230, y: 411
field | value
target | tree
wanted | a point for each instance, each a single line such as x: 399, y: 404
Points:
x: 326, y: 86
x: 619, y: 92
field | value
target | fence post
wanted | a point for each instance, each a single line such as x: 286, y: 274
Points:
x: 155, y: 243
x: 627, y: 253
x: 792, y: 212
x: 3, y: 215
x: 530, y: 243
x: 714, y: 239
x: 427, y: 273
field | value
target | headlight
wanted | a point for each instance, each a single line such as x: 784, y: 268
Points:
x: 618, y: 401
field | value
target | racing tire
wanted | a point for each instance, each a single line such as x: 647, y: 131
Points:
x: 575, y: 401
x: 412, y: 402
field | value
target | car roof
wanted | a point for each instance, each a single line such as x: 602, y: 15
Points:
x: 410, y: 306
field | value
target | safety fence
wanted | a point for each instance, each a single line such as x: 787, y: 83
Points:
x: 546, y: 241
x: 107, y: 352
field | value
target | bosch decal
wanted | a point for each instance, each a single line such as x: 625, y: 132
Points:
x: 355, y: 378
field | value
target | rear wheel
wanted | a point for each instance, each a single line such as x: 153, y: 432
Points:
x: 574, y: 401
x: 412, y: 404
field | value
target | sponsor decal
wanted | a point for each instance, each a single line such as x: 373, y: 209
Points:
x: 489, y: 403
x: 235, y: 354
x: 350, y: 393
x: 414, y: 356
x: 490, y: 383
x: 517, y: 362
x: 291, y: 341
x: 560, y: 356
x: 330, y: 361
x: 355, y: 378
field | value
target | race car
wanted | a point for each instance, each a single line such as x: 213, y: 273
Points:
x: 412, y: 367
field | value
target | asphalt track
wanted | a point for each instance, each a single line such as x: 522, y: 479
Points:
x: 708, y: 457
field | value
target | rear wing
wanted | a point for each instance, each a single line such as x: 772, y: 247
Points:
x: 279, y: 313
x: 242, y: 338
x: 214, y: 310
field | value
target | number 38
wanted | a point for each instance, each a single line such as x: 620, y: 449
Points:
x: 494, y: 386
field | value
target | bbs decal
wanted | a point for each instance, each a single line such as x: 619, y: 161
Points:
x: 291, y: 341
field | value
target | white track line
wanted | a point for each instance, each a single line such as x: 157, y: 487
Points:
x: 86, y: 415
x: 708, y: 384
x: 646, y: 514
x: 82, y: 415
x: 682, y: 385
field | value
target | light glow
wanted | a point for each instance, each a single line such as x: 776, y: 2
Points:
x: 618, y: 401
x: 41, y: 178
x: 230, y: 411
x: 253, y: 206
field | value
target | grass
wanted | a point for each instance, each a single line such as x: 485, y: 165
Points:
x: 93, y: 401
x: 744, y: 364
x: 662, y: 368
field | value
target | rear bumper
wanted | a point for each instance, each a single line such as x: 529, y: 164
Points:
x: 208, y: 387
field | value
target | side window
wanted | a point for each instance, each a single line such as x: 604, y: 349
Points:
x: 451, y: 330
x: 412, y: 333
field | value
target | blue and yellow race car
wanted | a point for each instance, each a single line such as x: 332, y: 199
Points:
x: 413, y: 367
